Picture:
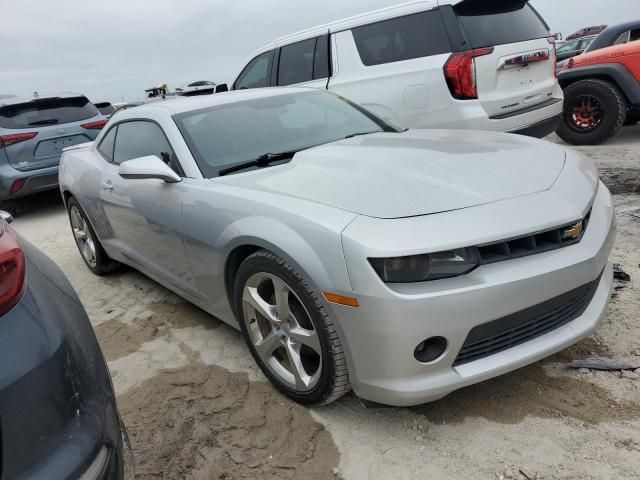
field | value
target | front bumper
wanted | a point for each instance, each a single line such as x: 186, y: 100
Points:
x: 57, y: 406
x: 381, y: 334
x: 35, y: 181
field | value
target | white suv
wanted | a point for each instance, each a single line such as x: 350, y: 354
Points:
x: 467, y: 64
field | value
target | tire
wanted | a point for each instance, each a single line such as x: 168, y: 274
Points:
x: 321, y: 376
x: 87, y: 242
x: 594, y: 111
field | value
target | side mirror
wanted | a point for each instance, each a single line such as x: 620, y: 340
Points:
x: 223, y: 87
x: 148, y: 167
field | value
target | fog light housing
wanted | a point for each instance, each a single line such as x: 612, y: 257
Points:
x: 430, y: 349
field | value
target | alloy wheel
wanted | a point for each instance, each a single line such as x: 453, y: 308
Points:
x: 281, y: 331
x: 82, y: 236
x: 586, y: 113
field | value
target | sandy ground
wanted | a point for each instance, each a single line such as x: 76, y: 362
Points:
x: 196, y: 406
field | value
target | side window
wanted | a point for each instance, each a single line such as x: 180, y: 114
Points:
x: 321, y: 60
x: 107, y: 143
x: 256, y: 74
x: 139, y: 139
x: 412, y: 36
x: 296, y: 62
x: 623, y: 38
x: 635, y: 35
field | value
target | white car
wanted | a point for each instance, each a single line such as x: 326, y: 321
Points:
x: 351, y: 253
x: 428, y: 64
x: 201, y: 86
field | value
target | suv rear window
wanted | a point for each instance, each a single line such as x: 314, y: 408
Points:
x: 491, y: 23
x: 46, y: 111
x: 403, y: 38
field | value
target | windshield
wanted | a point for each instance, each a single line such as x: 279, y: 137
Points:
x: 568, y: 47
x: 230, y: 134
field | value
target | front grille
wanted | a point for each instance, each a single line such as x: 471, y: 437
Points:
x: 507, y: 332
x: 532, y: 244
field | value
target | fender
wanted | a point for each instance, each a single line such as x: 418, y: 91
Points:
x: 310, y: 242
x: 288, y: 244
x: 615, y: 72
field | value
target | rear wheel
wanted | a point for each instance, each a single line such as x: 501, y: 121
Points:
x: 594, y: 111
x: 289, y: 334
x: 88, y: 244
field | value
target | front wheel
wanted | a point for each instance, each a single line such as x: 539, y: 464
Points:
x: 289, y: 334
x: 594, y: 111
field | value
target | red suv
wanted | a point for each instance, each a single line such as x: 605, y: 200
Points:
x: 601, y: 94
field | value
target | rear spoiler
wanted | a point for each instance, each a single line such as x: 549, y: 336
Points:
x: 79, y: 146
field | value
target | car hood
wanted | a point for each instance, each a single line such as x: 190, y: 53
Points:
x: 417, y: 172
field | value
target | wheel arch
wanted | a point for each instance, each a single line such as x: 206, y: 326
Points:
x: 614, y: 73
x: 293, y: 248
x: 66, y: 195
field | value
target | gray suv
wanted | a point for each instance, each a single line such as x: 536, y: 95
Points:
x: 33, y: 132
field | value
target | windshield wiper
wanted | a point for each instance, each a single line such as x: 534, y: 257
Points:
x: 262, y: 161
x: 45, y: 121
x: 359, y: 134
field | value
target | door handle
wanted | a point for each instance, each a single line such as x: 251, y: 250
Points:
x: 107, y: 185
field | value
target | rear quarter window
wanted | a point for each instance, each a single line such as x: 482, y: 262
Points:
x: 489, y: 23
x: 403, y: 38
x: 46, y: 111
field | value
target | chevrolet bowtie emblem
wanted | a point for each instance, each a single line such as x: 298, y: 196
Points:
x: 572, y: 232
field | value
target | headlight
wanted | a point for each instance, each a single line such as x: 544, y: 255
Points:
x: 422, y: 268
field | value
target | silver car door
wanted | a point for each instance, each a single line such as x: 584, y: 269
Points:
x: 145, y: 215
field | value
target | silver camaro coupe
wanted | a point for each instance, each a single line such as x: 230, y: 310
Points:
x: 351, y: 254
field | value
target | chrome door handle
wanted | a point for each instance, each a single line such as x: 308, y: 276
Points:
x: 107, y: 186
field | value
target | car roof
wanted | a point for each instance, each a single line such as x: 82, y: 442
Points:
x: 188, y: 104
x: 358, y: 20
x: 611, y: 33
x: 13, y: 100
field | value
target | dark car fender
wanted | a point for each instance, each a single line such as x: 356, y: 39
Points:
x: 612, y: 72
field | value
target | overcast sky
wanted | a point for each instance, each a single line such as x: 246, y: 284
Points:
x: 114, y: 49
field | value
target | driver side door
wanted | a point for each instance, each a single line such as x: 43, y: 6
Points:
x: 145, y: 215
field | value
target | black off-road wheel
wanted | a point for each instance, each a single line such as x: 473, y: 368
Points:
x: 594, y: 111
x: 88, y: 244
x: 288, y: 331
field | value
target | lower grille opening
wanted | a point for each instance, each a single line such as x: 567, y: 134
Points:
x: 507, y: 332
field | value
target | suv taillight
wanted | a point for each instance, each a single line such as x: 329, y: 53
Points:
x: 12, y: 269
x: 95, y: 125
x: 554, y: 59
x: 6, y: 140
x: 460, y: 73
